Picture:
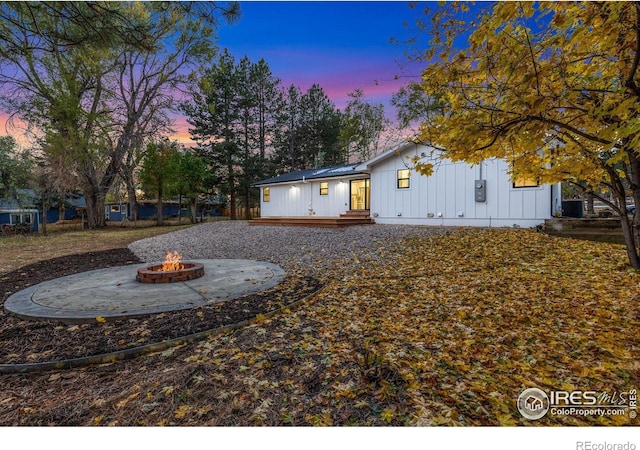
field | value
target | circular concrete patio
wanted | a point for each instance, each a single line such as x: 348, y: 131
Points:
x: 114, y: 292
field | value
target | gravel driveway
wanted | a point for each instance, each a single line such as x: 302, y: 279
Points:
x: 312, y: 251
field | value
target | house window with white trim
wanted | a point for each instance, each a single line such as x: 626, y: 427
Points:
x: 324, y: 188
x: 404, y: 179
x: 266, y: 194
x: 115, y: 208
x: 15, y: 219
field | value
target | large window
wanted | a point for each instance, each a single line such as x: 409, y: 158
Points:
x: 266, y: 194
x: 324, y: 188
x: 404, y: 178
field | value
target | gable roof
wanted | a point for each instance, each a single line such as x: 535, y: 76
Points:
x: 313, y: 174
x: 395, y: 151
x: 23, y: 198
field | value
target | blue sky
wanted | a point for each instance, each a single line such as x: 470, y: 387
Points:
x: 339, y: 45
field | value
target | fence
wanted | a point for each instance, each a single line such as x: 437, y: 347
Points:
x: 240, y: 212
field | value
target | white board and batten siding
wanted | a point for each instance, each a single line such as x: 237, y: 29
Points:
x: 297, y: 199
x: 447, y: 197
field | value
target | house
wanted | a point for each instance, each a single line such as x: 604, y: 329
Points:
x: 148, y: 209
x: 19, y: 212
x: 117, y: 211
x: 456, y: 194
x: 72, y: 207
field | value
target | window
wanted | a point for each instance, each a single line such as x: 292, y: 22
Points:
x: 324, y: 188
x: 403, y: 178
x: 524, y: 182
x: 266, y: 194
x: 15, y: 219
x: 115, y: 208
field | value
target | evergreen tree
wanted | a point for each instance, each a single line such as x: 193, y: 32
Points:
x: 214, y: 114
x: 233, y: 116
x: 309, y: 130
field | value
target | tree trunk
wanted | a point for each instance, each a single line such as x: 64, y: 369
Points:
x: 232, y: 206
x: 133, y: 202
x: 95, y: 212
x: 590, y: 210
x: 159, y: 218
x: 193, y: 204
x: 247, y: 202
x: 627, y: 229
x: 629, y: 240
x: 634, y: 182
x: 45, y: 208
x: 95, y: 201
x: 233, y: 214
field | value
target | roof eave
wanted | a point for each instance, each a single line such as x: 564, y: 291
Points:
x: 308, y: 180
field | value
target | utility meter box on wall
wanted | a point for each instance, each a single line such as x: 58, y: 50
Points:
x: 480, y: 188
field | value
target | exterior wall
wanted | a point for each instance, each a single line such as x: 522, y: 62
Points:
x: 148, y: 211
x: 7, y: 216
x: 447, y: 198
x: 304, y: 199
x: 121, y: 212
x: 53, y: 214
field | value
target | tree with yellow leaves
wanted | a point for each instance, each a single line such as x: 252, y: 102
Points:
x: 551, y: 87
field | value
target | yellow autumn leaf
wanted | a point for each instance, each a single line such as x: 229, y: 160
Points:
x: 387, y: 415
x: 182, y: 411
x: 100, y: 319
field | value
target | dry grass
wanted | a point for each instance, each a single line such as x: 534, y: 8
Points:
x: 69, y: 239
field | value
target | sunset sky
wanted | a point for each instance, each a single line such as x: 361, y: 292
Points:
x: 341, y: 46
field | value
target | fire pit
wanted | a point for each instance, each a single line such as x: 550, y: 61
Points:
x: 172, y: 270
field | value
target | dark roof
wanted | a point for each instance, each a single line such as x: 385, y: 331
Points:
x: 24, y: 198
x: 312, y: 174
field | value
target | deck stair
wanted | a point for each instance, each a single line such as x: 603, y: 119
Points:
x: 349, y: 218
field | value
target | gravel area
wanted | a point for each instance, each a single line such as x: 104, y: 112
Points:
x: 312, y: 251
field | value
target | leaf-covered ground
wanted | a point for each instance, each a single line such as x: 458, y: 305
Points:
x: 446, y: 330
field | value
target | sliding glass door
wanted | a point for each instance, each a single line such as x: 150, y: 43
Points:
x: 359, y: 195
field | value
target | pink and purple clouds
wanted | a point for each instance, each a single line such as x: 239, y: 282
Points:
x: 341, y: 46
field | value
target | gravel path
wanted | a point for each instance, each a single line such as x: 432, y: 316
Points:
x: 312, y: 251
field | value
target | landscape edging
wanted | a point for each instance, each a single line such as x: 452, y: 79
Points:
x: 130, y: 353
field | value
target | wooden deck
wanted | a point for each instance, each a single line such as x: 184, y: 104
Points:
x: 347, y: 219
x: 603, y: 230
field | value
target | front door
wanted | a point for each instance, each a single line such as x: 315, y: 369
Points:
x: 359, y: 195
